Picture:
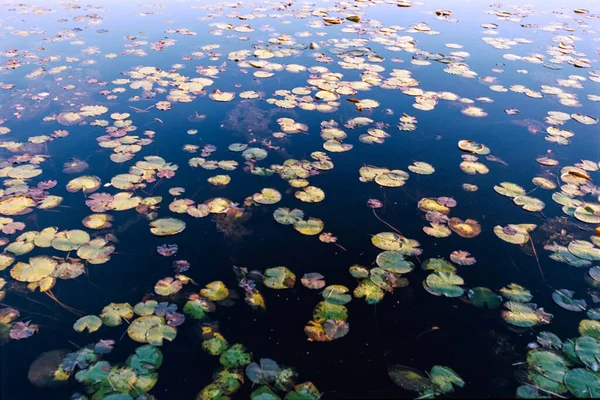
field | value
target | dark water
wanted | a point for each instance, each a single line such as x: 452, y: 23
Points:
x: 476, y: 343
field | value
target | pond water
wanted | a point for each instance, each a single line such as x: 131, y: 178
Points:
x: 172, y: 172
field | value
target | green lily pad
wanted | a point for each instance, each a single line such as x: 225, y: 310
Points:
x: 336, y: 294
x: 310, y: 227
x: 145, y: 308
x: 358, y: 271
x: 519, y: 314
x: 549, y: 340
x: 564, y: 298
x: 143, y: 384
x: 279, y: 278
x: 584, y: 250
x: 445, y: 379
x: 516, y: 293
x: 285, y: 216
x: 438, y: 265
x: 324, y: 311
x: 394, y: 261
x: 264, y: 393
x: 547, y: 370
x: 372, y: 293
x: 530, y: 392
x: 146, y: 359
x: 254, y: 153
x: 212, y: 392
x: 588, y: 350
x: 95, y: 373
x: 445, y: 284
x: 151, y: 329
x: 304, y: 391
x: 195, y: 309
x: 235, y: 356
x: 167, y: 226
x: 583, y: 384
x: 482, y: 297
x: 114, y: 312
x: 509, y: 189
x: 90, y: 322
x: 588, y: 327
x: 215, y: 291
x: 267, y: 196
x: 216, y: 345
x: 409, y: 379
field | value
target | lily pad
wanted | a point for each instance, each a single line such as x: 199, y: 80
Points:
x: 394, y: 261
x: 409, y: 379
x: 582, y: 383
x: 215, y: 291
x: 482, y: 297
x: 267, y: 196
x: 279, y: 278
x: 564, y: 298
x: 167, y: 226
x: 91, y: 323
x: 151, y: 329
x: 445, y: 284
x: 445, y: 379
x: 310, y: 227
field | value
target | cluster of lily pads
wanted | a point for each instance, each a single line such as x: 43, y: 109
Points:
x: 556, y: 367
x: 440, y: 380
x: 311, y: 226
x: 267, y: 374
x: 440, y: 225
x: 130, y: 380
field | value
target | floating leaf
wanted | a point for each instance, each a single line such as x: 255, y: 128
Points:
x: 151, y: 329
x: 467, y: 229
x: 286, y: 217
x: 482, y: 297
x: 312, y: 226
x: 310, y: 194
x: 516, y: 293
x: 445, y: 379
x: 336, y: 294
x: 514, y: 233
x: 91, y: 323
x: 37, y: 269
x: 409, y: 379
x: 529, y: 203
x: 313, y: 280
x: 267, y: 196
x: 588, y: 327
x: 235, y: 356
x: 336, y: 329
x: 582, y: 383
x: 279, y: 278
x: 394, y: 261
x: 113, y: 313
x: 215, y: 291
x: 564, y: 298
x: 548, y: 370
x: 166, y: 226
x: 509, y: 189
x: 86, y: 183
x: 263, y: 374
x: 446, y: 284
